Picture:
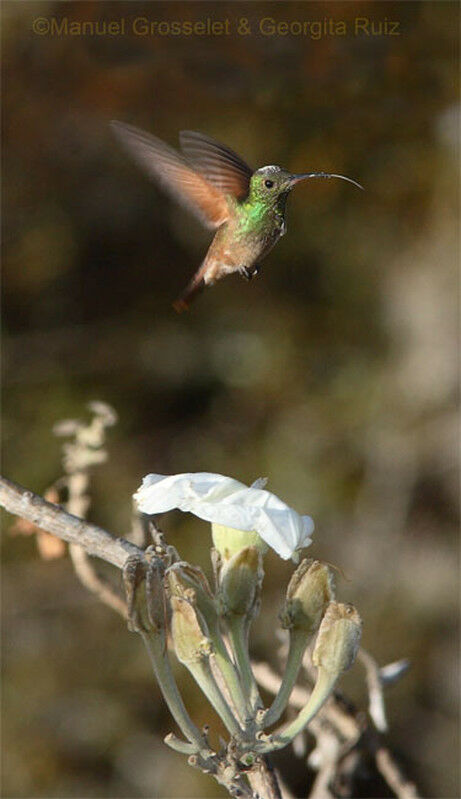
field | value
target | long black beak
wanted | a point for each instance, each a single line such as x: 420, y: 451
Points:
x: 298, y: 178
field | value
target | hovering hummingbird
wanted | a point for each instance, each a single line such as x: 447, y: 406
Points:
x: 245, y: 207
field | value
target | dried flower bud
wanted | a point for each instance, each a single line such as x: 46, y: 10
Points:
x: 229, y: 541
x: 240, y: 579
x: 338, y: 638
x: 145, y: 593
x: 188, y: 631
x: 309, y: 592
x: 156, y: 602
x: 191, y: 583
x: 177, y: 586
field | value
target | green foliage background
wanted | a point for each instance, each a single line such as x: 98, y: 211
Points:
x: 333, y: 374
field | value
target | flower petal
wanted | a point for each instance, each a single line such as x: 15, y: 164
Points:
x: 228, y: 502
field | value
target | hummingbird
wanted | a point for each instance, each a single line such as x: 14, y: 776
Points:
x: 245, y: 207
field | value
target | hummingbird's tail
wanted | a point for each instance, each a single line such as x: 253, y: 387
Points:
x: 196, y: 285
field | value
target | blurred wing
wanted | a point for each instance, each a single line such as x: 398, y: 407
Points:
x: 218, y: 163
x: 175, y: 174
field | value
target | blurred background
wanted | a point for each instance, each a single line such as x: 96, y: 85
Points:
x: 333, y: 374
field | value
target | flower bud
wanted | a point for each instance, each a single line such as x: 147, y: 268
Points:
x: 157, y: 606
x: 229, y: 541
x: 309, y: 592
x: 189, y: 632
x: 189, y: 582
x: 240, y: 579
x: 338, y: 638
x: 145, y: 593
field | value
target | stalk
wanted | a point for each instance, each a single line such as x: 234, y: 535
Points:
x: 202, y: 674
x: 297, y: 647
x: 155, y: 645
x: 322, y: 690
x: 238, y: 634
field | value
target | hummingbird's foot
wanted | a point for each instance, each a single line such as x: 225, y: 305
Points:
x: 249, y: 272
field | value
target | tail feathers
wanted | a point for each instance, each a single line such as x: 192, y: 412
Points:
x: 196, y: 285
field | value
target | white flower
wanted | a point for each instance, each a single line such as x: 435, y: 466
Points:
x: 228, y: 502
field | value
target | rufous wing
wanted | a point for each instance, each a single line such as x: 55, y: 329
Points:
x: 220, y: 165
x: 175, y: 174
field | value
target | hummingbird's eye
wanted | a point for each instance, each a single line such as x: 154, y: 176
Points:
x: 268, y: 184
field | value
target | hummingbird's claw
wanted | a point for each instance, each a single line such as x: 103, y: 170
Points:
x: 249, y: 272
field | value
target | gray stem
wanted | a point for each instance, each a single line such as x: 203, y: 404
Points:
x: 52, y: 518
x: 155, y: 645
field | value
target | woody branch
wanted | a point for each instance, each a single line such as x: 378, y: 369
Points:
x: 54, y: 519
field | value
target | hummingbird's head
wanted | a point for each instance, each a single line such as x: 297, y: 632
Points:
x: 272, y: 182
x: 269, y: 182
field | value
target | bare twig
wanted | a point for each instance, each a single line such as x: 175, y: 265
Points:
x: 326, y: 754
x: 387, y: 766
x: 79, y: 455
x: 285, y: 791
x: 88, y: 576
x: 78, y: 504
x: 140, y: 532
x: 376, y: 707
x: 55, y: 520
x: 334, y: 721
x: 393, y: 672
x: 263, y: 780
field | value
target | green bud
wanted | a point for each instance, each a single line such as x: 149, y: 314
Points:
x: 229, y: 541
x: 189, y: 633
x: 338, y: 638
x: 240, y: 579
x: 309, y: 591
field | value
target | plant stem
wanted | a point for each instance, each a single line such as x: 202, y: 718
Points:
x: 179, y: 746
x: 238, y: 633
x: 322, y: 690
x: 229, y: 673
x: 202, y: 674
x: 155, y: 645
x: 297, y: 647
x: 263, y: 779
